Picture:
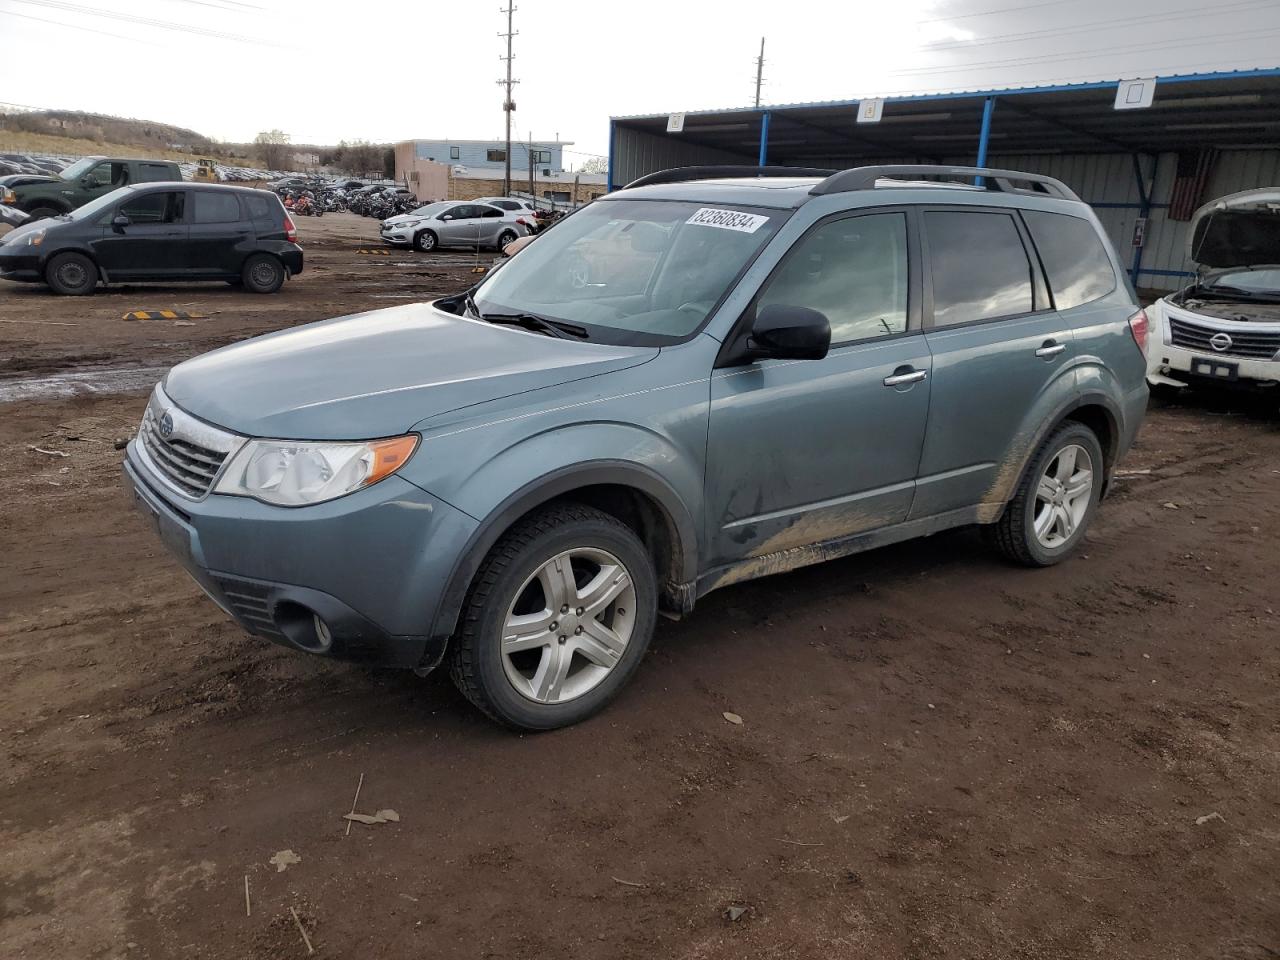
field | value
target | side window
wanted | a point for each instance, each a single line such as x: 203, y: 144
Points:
x: 491, y: 211
x: 1073, y: 256
x: 495, y: 156
x: 159, y: 207
x: 979, y: 267
x: 154, y: 173
x: 853, y: 270
x: 455, y: 153
x: 215, y: 207
x: 259, y: 208
x: 100, y: 176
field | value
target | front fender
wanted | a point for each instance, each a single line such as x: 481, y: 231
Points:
x: 542, y: 489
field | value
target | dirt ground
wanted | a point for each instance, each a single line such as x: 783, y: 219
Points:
x: 941, y: 755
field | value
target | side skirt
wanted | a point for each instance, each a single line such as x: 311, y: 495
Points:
x: 797, y: 557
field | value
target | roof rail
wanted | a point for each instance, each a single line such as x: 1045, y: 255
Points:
x: 679, y: 174
x: 864, y: 178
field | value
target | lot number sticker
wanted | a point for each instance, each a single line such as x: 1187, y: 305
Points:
x: 728, y: 220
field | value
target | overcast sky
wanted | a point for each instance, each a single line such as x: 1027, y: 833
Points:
x: 399, y: 69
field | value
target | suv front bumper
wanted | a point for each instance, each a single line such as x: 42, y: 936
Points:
x: 371, y: 566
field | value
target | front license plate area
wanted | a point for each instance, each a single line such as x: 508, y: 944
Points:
x: 1217, y: 369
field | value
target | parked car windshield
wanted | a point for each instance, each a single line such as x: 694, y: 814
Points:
x: 1265, y: 282
x: 632, y: 271
x: 94, y: 207
x: 432, y: 208
x: 79, y: 168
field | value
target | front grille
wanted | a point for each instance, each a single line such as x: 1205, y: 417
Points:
x: 251, y: 604
x: 188, y: 466
x: 1251, y: 344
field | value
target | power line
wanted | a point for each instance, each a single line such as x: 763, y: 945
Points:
x: 76, y: 26
x: 988, y: 13
x: 1092, y: 54
x: 1185, y: 14
x: 146, y: 21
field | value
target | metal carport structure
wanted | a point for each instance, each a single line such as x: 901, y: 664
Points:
x: 1203, y: 135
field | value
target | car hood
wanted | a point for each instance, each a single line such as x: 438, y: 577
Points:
x: 377, y: 374
x: 1239, y: 230
x: 402, y: 218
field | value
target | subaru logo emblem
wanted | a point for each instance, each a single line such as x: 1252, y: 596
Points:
x: 1220, y: 342
x: 166, y: 425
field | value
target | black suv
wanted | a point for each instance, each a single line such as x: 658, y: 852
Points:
x: 159, y: 232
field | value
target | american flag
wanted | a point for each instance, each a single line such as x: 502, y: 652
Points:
x: 1189, y: 182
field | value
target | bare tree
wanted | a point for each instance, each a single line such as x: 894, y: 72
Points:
x: 595, y: 165
x: 272, y: 148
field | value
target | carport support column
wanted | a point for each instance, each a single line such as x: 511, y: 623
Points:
x: 1144, y: 210
x: 764, y: 138
x: 608, y: 178
x: 984, y: 137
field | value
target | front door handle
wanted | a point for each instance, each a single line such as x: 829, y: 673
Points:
x: 910, y: 376
x: 1050, y: 350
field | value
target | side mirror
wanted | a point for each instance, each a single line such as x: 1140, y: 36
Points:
x: 119, y: 222
x: 447, y: 216
x: 789, y: 333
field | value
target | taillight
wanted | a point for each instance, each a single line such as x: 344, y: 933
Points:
x: 1140, y: 327
x: 291, y: 230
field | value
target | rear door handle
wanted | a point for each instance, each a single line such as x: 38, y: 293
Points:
x: 1050, y: 350
x: 911, y: 376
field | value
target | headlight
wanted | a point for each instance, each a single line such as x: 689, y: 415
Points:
x: 294, y: 473
x: 407, y: 224
x: 36, y: 238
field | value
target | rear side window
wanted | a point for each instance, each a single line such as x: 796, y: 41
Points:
x: 260, y: 208
x: 979, y: 267
x: 218, y: 207
x: 852, y: 270
x: 1074, y: 258
x: 155, y: 173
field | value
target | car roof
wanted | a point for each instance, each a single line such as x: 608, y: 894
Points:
x: 192, y: 185
x: 788, y: 193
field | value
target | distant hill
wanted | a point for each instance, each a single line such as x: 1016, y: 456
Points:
x: 69, y: 132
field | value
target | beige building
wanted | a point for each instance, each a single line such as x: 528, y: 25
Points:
x: 563, y: 187
x: 427, y: 179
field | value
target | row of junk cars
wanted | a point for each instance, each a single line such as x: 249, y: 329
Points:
x: 1222, y: 328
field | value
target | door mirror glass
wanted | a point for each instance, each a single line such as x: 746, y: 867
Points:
x: 120, y: 221
x: 446, y: 216
x: 786, y: 332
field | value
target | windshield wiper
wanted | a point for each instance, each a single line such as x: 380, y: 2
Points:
x: 531, y: 321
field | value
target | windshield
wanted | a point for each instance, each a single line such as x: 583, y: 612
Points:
x: 632, y: 271
x: 1266, y: 281
x: 79, y: 168
x: 432, y: 208
x: 94, y: 207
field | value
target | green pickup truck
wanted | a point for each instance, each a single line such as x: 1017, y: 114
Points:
x: 85, y: 180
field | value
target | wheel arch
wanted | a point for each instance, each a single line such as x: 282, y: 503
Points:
x: 633, y: 494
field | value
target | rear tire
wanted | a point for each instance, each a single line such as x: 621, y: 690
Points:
x: 1046, y: 520
x: 262, y: 273
x: 71, y: 275
x: 507, y: 236
x: 553, y: 674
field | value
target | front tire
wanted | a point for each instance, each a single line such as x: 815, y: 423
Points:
x: 262, y: 273
x: 557, y: 619
x: 71, y: 275
x: 1046, y: 520
x: 425, y: 241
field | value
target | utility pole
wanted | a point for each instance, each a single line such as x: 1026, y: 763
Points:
x: 759, y: 71
x: 508, y: 104
x: 532, y: 192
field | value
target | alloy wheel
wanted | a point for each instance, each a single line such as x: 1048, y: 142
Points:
x: 569, y: 625
x: 1063, y: 495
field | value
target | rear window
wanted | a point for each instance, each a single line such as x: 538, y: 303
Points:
x: 1074, y: 258
x: 260, y: 208
x: 217, y: 207
x: 979, y: 267
x: 155, y: 173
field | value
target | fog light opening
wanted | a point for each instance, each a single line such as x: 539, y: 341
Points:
x: 305, y: 628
